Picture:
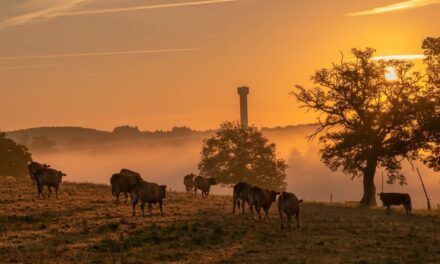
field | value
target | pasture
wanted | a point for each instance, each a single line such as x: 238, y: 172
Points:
x: 86, y: 226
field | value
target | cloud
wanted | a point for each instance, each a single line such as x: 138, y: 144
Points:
x: 28, y: 67
x: 395, y: 7
x: 62, y: 8
x: 109, y: 53
x: 400, y: 57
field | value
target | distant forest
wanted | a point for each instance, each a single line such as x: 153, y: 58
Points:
x: 51, y: 139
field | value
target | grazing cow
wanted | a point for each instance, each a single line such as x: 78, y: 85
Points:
x: 389, y: 199
x: 288, y: 204
x: 150, y: 193
x: 241, y: 191
x: 189, y: 182
x: 50, y: 178
x: 130, y: 172
x: 261, y: 198
x: 204, y: 185
x: 123, y: 183
x: 33, y: 167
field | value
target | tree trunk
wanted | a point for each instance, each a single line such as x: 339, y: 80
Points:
x: 369, y: 197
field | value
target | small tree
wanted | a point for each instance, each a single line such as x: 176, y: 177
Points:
x: 365, y: 120
x: 235, y: 153
x: 13, y: 157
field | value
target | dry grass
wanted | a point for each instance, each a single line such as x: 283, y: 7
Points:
x: 85, y: 225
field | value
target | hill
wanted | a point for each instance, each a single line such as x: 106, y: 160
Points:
x: 85, y: 226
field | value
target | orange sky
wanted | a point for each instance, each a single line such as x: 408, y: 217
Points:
x: 156, y: 64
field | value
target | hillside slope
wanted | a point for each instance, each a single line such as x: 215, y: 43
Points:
x: 85, y: 226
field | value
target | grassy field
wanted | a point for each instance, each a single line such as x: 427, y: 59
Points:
x: 85, y: 226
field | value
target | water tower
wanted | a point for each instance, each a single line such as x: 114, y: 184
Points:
x: 243, y: 92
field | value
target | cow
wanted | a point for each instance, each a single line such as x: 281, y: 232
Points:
x: 261, y: 198
x: 123, y: 183
x: 33, y: 167
x: 241, y: 191
x: 50, y: 178
x: 389, y: 199
x: 150, y: 193
x: 189, y: 182
x: 288, y: 204
x: 204, y: 185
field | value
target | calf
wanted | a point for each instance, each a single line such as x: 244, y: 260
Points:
x: 50, y: 178
x: 123, y: 183
x: 241, y: 192
x: 261, y: 198
x: 389, y: 199
x: 204, y: 185
x: 288, y: 204
x: 188, y: 181
x: 150, y: 193
x: 33, y: 167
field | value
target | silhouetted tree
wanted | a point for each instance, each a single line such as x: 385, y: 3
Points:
x: 429, y: 108
x: 126, y: 131
x: 365, y: 120
x: 13, y: 157
x: 235, y: 153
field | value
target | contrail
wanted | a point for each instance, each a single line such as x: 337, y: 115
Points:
x: 29, y: 67
x: 49, y: 56
x: 400, y: 57
x: 395, y: 7
x: 136, y: 8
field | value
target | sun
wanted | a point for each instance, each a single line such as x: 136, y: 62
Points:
x: 390, y: 75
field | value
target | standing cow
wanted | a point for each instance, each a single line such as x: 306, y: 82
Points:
x: 123, y: 183
x: 188, y: 180
x: 50, y: 178
x: 241, y: 192
x: 261, y: 198
x: 150, y: 193
x: 288, y: 204
x: 204, y: 185
x: 34, y: 167
x: 389, y: 199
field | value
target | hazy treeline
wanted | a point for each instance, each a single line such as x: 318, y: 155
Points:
x: 166, y: 159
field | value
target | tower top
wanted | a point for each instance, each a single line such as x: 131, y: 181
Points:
x: 243, y: 90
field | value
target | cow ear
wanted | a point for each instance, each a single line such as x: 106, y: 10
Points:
x: 63, y: 174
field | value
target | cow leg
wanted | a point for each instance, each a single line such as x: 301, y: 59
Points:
x: 388, y: 209
x: 133, y: 203
x: 251, y: 210
x: 160, y: 207
x: 39, y: 190
x: 143, y: 208
x: 281, y: 218
x: 150, y: 209
x: 242, y: 206
x: 258, y: 209
x: 117, y: 197
x: 50, y: 190
x: 297, y: 219
x: 126, y: 197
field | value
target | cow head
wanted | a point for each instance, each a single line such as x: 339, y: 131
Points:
x: 61, y: 175
x: 163, y: 191
x: 212, y: 181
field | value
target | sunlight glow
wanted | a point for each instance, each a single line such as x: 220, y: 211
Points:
x: 390, y: 75
x: 400, y: 57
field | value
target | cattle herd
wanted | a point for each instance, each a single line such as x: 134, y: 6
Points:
x: 130, y: 183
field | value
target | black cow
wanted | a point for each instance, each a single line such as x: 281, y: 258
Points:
x: 389, y: 199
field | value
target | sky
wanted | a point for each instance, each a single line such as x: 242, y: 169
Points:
x: 156, y: 64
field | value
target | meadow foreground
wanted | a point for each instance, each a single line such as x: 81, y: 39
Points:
x: 86, y: 226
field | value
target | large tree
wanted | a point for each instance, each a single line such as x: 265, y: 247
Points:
x: 428, y: 132
x: 13, y: 157
x: 365, y: 120
x: 235, y: 153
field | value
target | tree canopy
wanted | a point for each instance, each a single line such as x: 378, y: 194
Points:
x: 14, y: 158
x: 235, y: 153
x: 365, y: 120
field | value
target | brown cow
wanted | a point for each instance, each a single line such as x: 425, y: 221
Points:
x: 288, y: 204
x: 33, y: 167
x: 204, y: 185
x: 261, y: 198
x: 188, y: 180
x: 50, y: 178
x: 150, y: 193
x: 123, y: 183
x: 241, y: 192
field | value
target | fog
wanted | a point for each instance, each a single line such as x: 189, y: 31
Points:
x: 167, y: 161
